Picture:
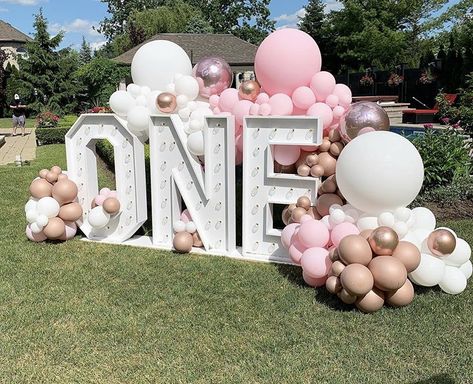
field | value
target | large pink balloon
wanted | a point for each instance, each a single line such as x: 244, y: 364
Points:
x: 322, y: 111
x: 313, y: 233
x: 286, y: 234
x: 281, y: 104
x: 241, y: 109
x: 285, y: 60
x: 303, y: 98
x: 228, y: 99
x: 342, y: 230
x: 286, y: 154
x: 316, y: 262
x: 322, y: 84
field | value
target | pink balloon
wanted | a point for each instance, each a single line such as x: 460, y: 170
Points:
x: 262, y: 98
x: 239, y: 142
x: 36, y: 237
x: 309, y: 148
x: 286, y: 234
x: 238, y: 130
x: 254, y: 110
x: 216, y: 111
x: 241, y: 109
x: 313, y: 282
x: 214, y: 100
x: 315, y: 262
x: 296, y: 249
x: 281, y: 104
x: 342, y: 230
x: 238, y: 157
x: 364, y: 130
x: 113, y: 194
x: 344, y: 94
x: 305, y: 218
x: 338, y: 112
x: 71, y: 230
x: 285, y: 60
x: 286, y: 154
x: 100, y: 199
x: 105, y: 191
x: 313, y: 233
x: 228, y: 98
x: 264, y: 109
x: 185, y: 216
x: 322, y: 111
x: 303, y: 98
x: 331, y: 101
x: 322, y: 84
x: 298, y: 112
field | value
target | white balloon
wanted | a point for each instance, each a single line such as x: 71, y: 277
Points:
x: 192, y: 105
x: 184, y: 114
x: 367, y: 222
x: 121, y: 102
x: 35, y: 228
x: 171, y: 88
x: 334, y: 207
x: 453, y: 281
x: 42, y: 220
x: 31, y: 216
x: 326, y: 221
x: 182, y: 101
x: 188, y: 86
x: 153, y: 109
x: 379, y: 171
x: 401, y: 229
x: 138, y: 119
x: 195, y: 125
x: 134, y: 90
x: 142, y: 100
x: 191, y: 227
x: 423, y: 219
x: 98, y: 218
x: 31, y: 205
x: 48, y: 206
x: 429, y: 272
x: 156, y: 63
x: 195, y: 143
x: 337, y: 216
x: 460, y: 255
x: 386, y: 219
x: 353, y: 214
x: 145, y: 91
x: 467, y: 269
x: 421, y: 234
x: 179, y: 226
x: 402, y: 214
x: 412, y: 238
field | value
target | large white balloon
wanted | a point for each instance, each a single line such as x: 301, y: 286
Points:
x: 453, y: 281
x: 48, y: 206
x: 460, y: 255
x: 380, y: 171
x: 156, y: 63
x: 121, y: 102
x: 429, y: 272
x: 98, y: 218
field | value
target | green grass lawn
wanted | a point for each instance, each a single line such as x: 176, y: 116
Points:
x: 88, y: 313
x: 6, y: 122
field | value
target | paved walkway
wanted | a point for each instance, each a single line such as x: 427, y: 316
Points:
x: 17, y: 145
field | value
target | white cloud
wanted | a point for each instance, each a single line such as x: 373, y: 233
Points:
x: 21, y: 2
x: 97, y: 45
x: 77, y: 26
x: 332, y: 5
x: 291, y: 20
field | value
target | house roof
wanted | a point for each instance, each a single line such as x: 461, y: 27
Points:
x: 11, y: 34
x: 237, y: 52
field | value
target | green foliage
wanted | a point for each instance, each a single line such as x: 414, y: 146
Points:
x: 445, y: 154
x: 46, y: 136
x: 85, y: 53
x: 459, y: 190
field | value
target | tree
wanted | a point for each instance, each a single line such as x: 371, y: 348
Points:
x: 85, y: 53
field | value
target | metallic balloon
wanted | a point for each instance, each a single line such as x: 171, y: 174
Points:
x: 214, y: 75
x: 166, y: 102
x: 383, y: 241
x: 249, y: 90
x: 361, y: 115
x: 441, y: 242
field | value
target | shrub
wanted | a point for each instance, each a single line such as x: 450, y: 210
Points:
x: 446, y: 157
x: 459, y: 190
x: 47, y: 119
x: 46, y: 136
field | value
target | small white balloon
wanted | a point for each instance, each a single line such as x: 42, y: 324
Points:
x: 367, y: 222
x: 412, y: 238
x: 31, y: 205
x: 134, y: 90
x: 337, y: 216
x: 467, y: 269
x: 195, y: 143
x: 195, y: 125
x: 192, y: 105
x: 35, y: 228
x: 386, y: 219
x: 453, y: 281
x: 421, y: 234
x: 460, y: 255
x: 429, y: 272
x: 401, y: 228
x: 98, y: 218
x: 145, y: 91
x: 42, y: 220
x: 142, y: 100
x: 179, y: 226
x: 184, y: 114
x: 334, y: 207
x: 402, y: 214
x: 187, y: 85
x: 191, y: 227
x: 138, y: 119
x: 182, y: 101
x: 151, y: 102
x: 326, y: 221
x: 171, y: 88
x: 352, y: 213
x: 121, y: 102
x: 48, y: 206
x: 31, y: 216
x: 423, y: 219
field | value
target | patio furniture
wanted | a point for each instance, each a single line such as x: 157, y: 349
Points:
x: 422, y: 116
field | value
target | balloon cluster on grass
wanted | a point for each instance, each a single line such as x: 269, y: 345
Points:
x: 185, y: 234
x: 52, y: 208
x: 105, y: 206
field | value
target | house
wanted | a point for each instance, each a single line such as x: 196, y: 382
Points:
x: 239, y: 54
x: 12, y: 41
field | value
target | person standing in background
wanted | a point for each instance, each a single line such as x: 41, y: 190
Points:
x: 19, y: 118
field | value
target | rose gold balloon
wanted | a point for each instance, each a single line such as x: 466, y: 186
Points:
x: 303, y: 170
x: 344, y: 296
x: 52, y: 177
x: 324, y: 202
x: 336, y: 148
x: 317, y: 171
x: 333, y: 255
x: 312, y: 160
x: 182, y: 242
x: 357, y: 279
x: 70, y: 212
x: 43, y: 173
x: 249, y: 90
x: 401, y: 297
x: 40, y: 188
x: 441, y: 242
x: 214, y: 75
x: 56, y: 169
x: 389, y: 273
x: 333, y: 285
x: 54, y: 229
x: 325, y: 146
x: 312, y: 212
x: 366, y: 234
x: 360, y: 115
x: 291, y: 208
x: 297, y: 214
x: 337, y: 268
x: 371, y: 302
x: 329, y: 186
x: 197, y: 240
x: 166, y: 102
x: 290, y: 169
x: 408, y: 254
x: 355, y: 249
x: 334, y: 135
x: 64, y: 191
x: 328, y: 163
x: 383, y: 241
x: 111, y: 205
x: 303, y: 202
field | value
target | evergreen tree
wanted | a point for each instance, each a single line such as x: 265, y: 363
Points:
x: 85, y: 53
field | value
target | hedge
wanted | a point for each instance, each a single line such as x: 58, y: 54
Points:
x: 51, y: 135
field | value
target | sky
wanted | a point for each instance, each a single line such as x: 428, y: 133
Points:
x: 78, y: 17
